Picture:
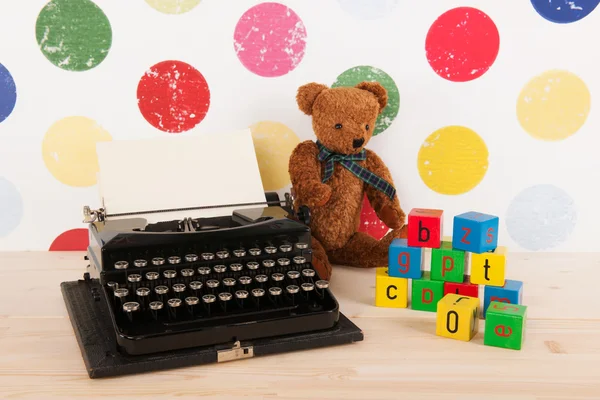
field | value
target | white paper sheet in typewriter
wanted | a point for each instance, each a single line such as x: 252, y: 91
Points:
x: 179, y: 172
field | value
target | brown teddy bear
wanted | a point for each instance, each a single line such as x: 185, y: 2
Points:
x: 332, y: 175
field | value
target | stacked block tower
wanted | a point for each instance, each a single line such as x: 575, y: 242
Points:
x: 464, y: 281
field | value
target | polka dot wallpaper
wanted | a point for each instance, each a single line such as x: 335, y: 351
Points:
x: 490, y: 104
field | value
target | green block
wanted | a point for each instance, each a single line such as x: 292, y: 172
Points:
x: 426, y: 293
x: 448, y: 264
x: 505, y: 325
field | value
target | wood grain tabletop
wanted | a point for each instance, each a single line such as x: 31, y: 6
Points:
x: 400, y: 358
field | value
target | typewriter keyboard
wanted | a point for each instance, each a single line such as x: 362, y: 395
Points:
x: 195, y: 292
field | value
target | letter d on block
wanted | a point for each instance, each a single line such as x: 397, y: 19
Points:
x: 405, y: 261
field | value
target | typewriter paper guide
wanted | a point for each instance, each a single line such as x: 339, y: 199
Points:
x: 161, y: 174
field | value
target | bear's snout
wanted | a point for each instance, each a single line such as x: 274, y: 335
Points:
x: 356, y: 143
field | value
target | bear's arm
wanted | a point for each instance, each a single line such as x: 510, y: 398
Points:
x: 305, y: 176
x: 388, y: 210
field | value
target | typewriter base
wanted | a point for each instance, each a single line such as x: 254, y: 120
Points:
x: 96, y: 338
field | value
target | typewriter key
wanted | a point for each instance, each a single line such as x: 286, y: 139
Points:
x: 255, y: 251
x: 301, y: 246
x: 252, y: 265
x: 299, y: 260
x: 129, y: 308
x: 140, y: 263
x: 236, y: 267
x: 245, y: 280
x: 152, y: 276
x: 275, y: 291
x: 121, y: 292
x: 229, y: 282
x: 209, y: 298
x: 307, y: 287
x: 293, y: 274
x: 286, y: 248
x: 239, y: 253
x: 261, y: 278
x: 270, y: 249
x: 192, y: 300
x: 241, y: 296
x: 225, y: 298
x: 113, y: 285
x: 321, y: 286
x: 158, y: 261
x: 208, y: 256
x: 292, y: 290
x: 170, y: 274
x: 203, y: 270
x: 268, y: 263
x: 277, y: 277
x: 134, y: 278
x: 191, y: 258
x: 173, y: 305
x: 219, y: 269
x: 195, y: 285
x: 155, y: 307
x: 308, y: 273
x: 283, y: 261
x: 174, y: 260
x: 222, y: 254
x: 161, y: 290
x: 143, y: 294
x: 179, y: 288
x: 121, y: 265
x: 212, y: 283
x: 187, y: 272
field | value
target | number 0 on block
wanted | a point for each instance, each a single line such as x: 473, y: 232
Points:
x: 458, y: 317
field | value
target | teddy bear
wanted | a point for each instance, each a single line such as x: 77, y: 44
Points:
x: 331, y: 176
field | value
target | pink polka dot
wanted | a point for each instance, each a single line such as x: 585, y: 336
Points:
x: 370, y: 222
x: 270, y: 39
x: 72, y: 240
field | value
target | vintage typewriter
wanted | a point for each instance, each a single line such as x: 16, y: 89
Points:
x: 197, y: 290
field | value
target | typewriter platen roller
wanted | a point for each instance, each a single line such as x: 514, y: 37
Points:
x: 192, y: 291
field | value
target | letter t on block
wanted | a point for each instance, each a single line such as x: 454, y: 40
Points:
x: 425, y: 228
x: 405, y: 261
x: 475, y: 232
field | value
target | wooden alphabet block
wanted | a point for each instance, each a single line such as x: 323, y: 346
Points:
x: 505, y: 325
x: 390, y: 292
x: 425, y: 227
x: 465, y: 288
x: 475, y: 232
x: 511, y: 293
x: 405, y: 261
x: 458, y: 317
x: 489, y: 268
x: 448, y: 264
x: 426, y: 293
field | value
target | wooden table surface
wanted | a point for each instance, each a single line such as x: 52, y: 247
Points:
x: 401, y: 357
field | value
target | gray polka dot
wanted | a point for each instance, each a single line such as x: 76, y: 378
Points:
x: 541, y: 217
x: 11, y: 207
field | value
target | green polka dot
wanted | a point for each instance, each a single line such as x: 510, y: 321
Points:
x: 74, y: 35
x: 356, y: 75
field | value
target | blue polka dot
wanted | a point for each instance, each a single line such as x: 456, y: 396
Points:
x: 368, y: 9
x: 11, y: 210
x: 8, y: 93
x: 564, y: 11
x: 541, y: 217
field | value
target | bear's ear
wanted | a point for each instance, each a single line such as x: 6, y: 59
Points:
x: 378, y: 90
x: 307, y: 94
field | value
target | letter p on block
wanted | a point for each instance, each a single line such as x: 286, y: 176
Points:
x: 405, y: 261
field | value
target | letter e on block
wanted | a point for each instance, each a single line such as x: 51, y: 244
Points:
x: 390, y: 292
x: 505, y: 325
x: 425, y: 228
x: 457, y: 317
x: 405, y: 261
x: 475, y: 232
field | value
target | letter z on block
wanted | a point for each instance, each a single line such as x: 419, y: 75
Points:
x: 475, y: 232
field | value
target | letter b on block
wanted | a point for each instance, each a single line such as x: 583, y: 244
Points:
x: 390, y: 292
x: 458, y: 317
x: 405, y: 261
x: 425, y: 228
x: 475, y: 232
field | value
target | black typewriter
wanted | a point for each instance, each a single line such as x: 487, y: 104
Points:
x: 194, y: 291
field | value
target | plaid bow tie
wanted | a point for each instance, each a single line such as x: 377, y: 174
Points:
x: 348, y: 161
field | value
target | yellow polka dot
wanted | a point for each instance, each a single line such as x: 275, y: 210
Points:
x: 553, y: 105
x: 173, y: 6
x: 273, y: 143
x: 453, y: 160
x: 69, y: 150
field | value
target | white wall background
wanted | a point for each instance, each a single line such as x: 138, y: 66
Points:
x: 336, y: 40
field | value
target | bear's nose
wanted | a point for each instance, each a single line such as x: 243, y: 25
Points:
x: 356, y: 143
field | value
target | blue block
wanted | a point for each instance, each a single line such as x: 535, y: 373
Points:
x: 511, y: 292
x: 475, y: 232
x: 405, y: 261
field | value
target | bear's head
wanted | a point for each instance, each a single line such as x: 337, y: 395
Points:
x: 343, y: 118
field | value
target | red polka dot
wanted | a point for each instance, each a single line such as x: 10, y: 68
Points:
x: 173, y: 96
x: 462, y: 44
x: 370, y: 222
x: 72, y: 240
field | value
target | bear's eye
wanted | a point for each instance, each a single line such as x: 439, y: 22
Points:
x: 367, y: 126
x: 338, y: 126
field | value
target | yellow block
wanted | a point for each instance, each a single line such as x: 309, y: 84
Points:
x: 489, y: 268
x: 390, y: 292
x: 458, y: 317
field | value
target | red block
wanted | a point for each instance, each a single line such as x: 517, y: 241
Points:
x: 425, y: 228
x: 464, y: 289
